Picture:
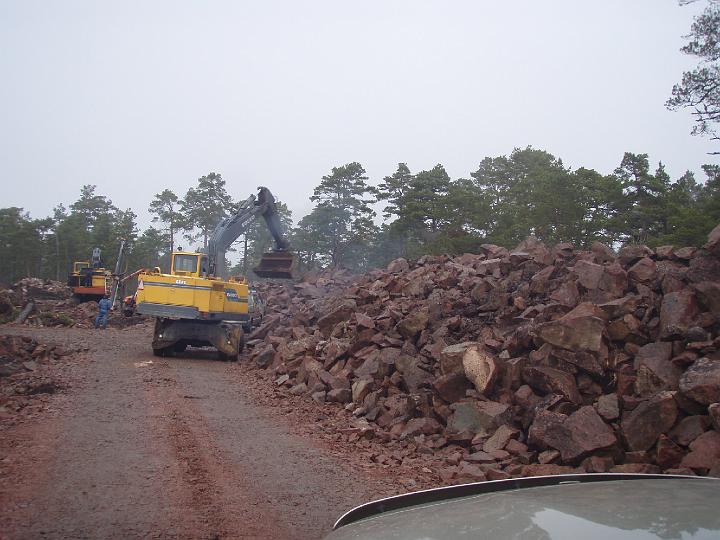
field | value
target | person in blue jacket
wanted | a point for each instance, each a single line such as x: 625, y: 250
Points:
x: 102, y: 316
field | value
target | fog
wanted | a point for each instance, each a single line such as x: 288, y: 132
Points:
x: 136, y: 97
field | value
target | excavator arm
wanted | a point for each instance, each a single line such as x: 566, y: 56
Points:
x: 279, y: 263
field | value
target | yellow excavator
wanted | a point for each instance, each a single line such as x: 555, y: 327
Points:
x: 196, y: 304
x: 90, y: 280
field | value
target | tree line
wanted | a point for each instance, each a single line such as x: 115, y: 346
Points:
x: 357, y: 224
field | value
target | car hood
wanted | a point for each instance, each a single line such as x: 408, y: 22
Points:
x: 569, y: 507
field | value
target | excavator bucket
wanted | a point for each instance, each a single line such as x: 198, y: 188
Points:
x: 276, y: 264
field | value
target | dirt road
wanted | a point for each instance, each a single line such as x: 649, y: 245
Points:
x: 138, y: 446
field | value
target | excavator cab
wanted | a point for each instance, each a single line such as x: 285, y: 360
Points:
x: 277, y: 265
x: 189, y: 264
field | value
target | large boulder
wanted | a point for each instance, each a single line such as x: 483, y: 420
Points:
x: 550, y: 380
x: 701, y: 381
x: 708, y: 292
x: 704, y: 452
x: 643, y: 271
x: 341, y: 313
x: 581, y: 329
x: 655, y: 371
x: 411, y: 326
x: 588, y: 274
x: 481, y: 368
x: 678, y: 312
x: 451, y: 357
x: 574, y: 436
x: 643, y: 425
x: 477, y: 417
x: 451, y: 387
x: 713, y: 243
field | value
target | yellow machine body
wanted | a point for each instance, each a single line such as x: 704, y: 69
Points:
x: 87, y: 282
x: 189, y: 293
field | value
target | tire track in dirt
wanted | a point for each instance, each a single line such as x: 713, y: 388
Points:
x: 142, y: 447
x: 223, y: 504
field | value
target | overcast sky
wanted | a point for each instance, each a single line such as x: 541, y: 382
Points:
x: 136, y: 97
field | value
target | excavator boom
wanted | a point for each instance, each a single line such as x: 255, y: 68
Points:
x: 279, y: 263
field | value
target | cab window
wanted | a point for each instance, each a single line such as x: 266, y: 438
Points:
x: 185, y: 263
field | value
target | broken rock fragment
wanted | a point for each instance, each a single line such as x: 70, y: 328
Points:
x: 481, y: 368
x: 701, y: 381
x: 581, y: 329
x: 643, y: 425
x: 574, y: 436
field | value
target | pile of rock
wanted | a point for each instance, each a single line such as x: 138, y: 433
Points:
x: 48, y: 303
x: 25, y: 372
x: 41, y: 289
x: 522, y: 362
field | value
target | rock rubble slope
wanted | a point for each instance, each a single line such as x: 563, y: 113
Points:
x: 513, y: 363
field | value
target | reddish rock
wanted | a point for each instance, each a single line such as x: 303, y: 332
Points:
x: 701, y: 381
x: 664, y: 252
x: 515, y: 447
x: 465, y: 419
x: 496, y: 474
x: 340, y: 395
x: 411, y: 326
x: 298, y: 389
x: 481, y: 368
x: 704, y: 452
x: 264, y: 357
x: 602, y: 253
x: 536, y: 249
x: 608, y: 407
x: 708, y: 293
x: 548, y: 456
x: 451, y: 357
x: 643, y: 271
x: 643, y: 425
x: 588, y: 274
x: 493, y: 414
x: 500, y: 438
x: 597, y: 464
x: 470, y: 472
x: 339, y: 314
x: 635, y: 468
x: 668, y: 454
x: 361, y: 388
x: 547, y: 469
x: 574, y: 436
x: 655, y: 371
x: 451, y: 387
x: 714, y: 413
x: 399, y: 405
x: 567, y: 294
x: 421, y: 426
x: 413, y: 376
x: 620, y: 307
x: 689, y: 428
x: 334, y: 350
x: 634, y: 252
x: 614, y: 281
x: 551, y: 380
x: 578, y: 330
x: 625, y: 328
x: 713, y: 243
x: 677, y: 313
x: 364, y: 321
x: 398, y: 265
